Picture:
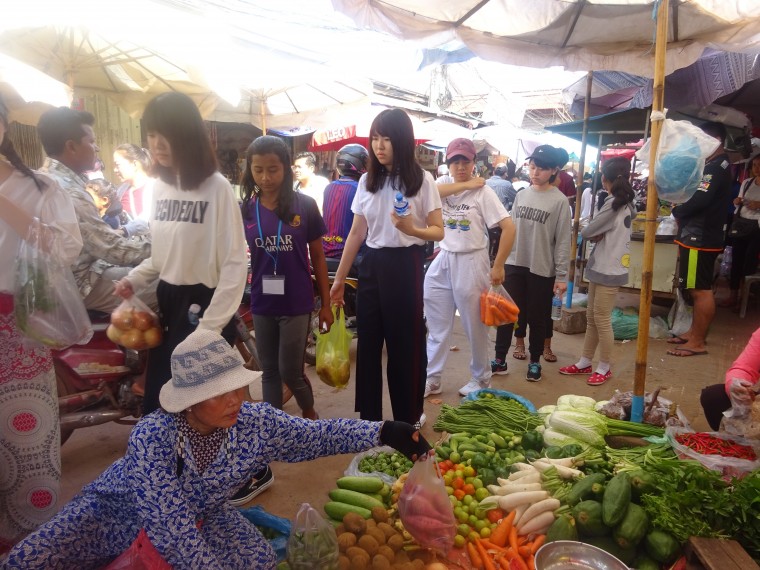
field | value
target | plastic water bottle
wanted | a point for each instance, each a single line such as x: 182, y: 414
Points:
x: 556, y: 307
x: 401, y: 205
x: 193, y: 314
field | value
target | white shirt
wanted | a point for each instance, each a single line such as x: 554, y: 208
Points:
x: 377, y: 208
x: 467, y: 216
x: 315, y: 189
x: 54, y: 209
x: 752, y: 193
x: 197, y: 237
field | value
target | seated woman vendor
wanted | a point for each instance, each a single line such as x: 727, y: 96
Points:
x: 185, y: 461
x: 740, y: 386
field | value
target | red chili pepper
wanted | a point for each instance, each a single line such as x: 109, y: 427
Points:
x: 707, y: 444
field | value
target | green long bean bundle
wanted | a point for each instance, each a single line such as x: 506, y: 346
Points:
x: 479, y: 416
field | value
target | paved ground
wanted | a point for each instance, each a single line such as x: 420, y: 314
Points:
x: 90, y: 450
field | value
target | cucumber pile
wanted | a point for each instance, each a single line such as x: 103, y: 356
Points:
x: 359, y: 495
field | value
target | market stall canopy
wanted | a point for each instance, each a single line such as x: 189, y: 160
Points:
x: 27, y: 92
x: 130, y: 55
x: 577, y: 34
x: 630, y: 126
x: 320, y: 102
x: 357, y: 132
x: 715, y: 75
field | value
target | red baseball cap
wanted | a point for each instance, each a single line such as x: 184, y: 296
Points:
x: 461, y: 147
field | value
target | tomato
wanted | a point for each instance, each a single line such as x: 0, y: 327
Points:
x: 494, y: 515
x: 469, y: 471
x: 459, y: 494
x: 469, y: 489
x: 457, y: 483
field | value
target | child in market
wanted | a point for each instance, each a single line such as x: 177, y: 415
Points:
x: 461, y: 271
x: 103, y: 193
x: 284, y: 231
x: 607, y: 269
x: 537, y: 265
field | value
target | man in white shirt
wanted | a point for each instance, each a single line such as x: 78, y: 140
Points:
x: 307, y: 181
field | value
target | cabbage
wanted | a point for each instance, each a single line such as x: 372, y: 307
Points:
x: 586, y: 426
x: 545, y: 410
x: 600, y: 404
x: 570, y: 401
x: 553, y: 437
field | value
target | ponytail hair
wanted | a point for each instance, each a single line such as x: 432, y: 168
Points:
x: 134, y: 153
x: 7, y: 150
x: 617, y: 171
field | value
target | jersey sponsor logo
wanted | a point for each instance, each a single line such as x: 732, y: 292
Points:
x: 269, y: 243
x: 190, y: 211
x: 528, y: 213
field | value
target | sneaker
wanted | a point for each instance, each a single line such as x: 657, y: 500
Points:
x: 573, y: 369
x: 534, y: 372
x: 499, y: 366
x: 597, y: 379
x: 254, y: 487
x: 473, y: 386
x: 432, y: 388
x: 420, y: 422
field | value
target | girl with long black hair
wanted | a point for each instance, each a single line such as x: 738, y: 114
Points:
x: 389, y: 299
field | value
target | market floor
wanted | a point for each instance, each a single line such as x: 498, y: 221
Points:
x: 89, y: 451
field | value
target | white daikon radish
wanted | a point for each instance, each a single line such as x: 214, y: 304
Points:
x: 538, y: 523
x: 511, y: 502
x: 538, y: 508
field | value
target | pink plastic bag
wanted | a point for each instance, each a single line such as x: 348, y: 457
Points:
x: 141, y: 555
x: 425, y: 509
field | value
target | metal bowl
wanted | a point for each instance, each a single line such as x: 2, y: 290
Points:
x: 572, y: 555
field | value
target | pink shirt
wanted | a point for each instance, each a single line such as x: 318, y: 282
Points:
x: 747, y: 365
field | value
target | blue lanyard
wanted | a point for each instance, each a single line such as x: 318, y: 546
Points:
x: 261, y: 236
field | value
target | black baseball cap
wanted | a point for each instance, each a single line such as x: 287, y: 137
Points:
x: 546, y: 156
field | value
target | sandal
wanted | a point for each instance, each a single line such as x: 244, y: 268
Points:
x: 519, y: 353
x: 549, y: 356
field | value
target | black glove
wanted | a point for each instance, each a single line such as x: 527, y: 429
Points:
x: 401, y: 436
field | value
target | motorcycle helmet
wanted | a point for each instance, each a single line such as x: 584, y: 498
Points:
x: 352, y: 160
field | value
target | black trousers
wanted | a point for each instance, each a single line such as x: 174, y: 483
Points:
x: 533, y: 295
x: 173, y: 304
x: 714, y: 402
x: 390, y: 312
x: 744, y: 252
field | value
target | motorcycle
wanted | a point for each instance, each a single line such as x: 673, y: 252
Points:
x: 96, y: 381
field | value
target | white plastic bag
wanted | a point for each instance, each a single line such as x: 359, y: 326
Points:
x: 680, y: 159
x: 313, y: 542
x: 679, y: 318
x: 353, y: 468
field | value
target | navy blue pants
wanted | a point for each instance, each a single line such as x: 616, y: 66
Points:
x: 390, y: 312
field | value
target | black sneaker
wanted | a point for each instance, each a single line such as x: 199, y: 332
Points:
x: 254, y: 487
x: 498, y: 366
x: 534, y: 372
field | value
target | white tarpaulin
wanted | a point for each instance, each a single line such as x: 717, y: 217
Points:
x: 577, y: 34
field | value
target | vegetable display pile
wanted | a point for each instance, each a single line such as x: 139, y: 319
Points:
x: 707, y: 444
x: 516, y: 480
x: 486, y: 415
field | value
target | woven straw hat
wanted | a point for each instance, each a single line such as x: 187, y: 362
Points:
x: 203, y: 366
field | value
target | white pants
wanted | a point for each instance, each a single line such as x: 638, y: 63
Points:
x: 455, y: 281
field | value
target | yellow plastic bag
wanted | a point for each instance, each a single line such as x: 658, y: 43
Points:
x: 333, y: 359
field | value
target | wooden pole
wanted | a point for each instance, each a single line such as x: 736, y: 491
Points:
x: 263, y: 118
x: 650, y: 228
x: 575, y: 263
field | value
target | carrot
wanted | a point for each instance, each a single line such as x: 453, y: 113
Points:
x: 518, y: 562
x: 531, y: 562
x: 537, y: 543
x: 474, y: 556
x: 491, y: 546
x: 482, y: 306
x: 513, y: 539
x: 500, y: 535
x: 524, y: 551
x: 487, y: 562
x: 504, y: 563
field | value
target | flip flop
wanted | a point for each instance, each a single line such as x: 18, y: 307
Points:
x: 519, y: 353
x: 686, y: 351
x: 549, y: 356
x: 677, y: 340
